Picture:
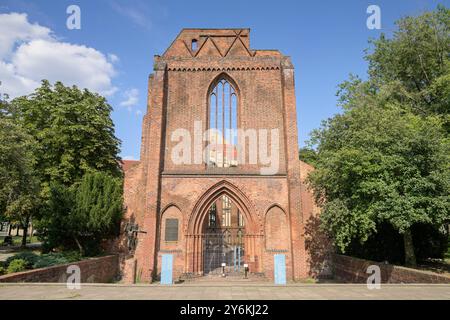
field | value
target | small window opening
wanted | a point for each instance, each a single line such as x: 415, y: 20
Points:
x: 194, y: 45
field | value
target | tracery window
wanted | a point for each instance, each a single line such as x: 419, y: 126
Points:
x: 240, y: 219
x: 226, y: 211
x: 212, y: 215
x: 223, y: 125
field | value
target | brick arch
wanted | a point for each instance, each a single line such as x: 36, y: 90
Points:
x: 272, y: 206
x: 174, y: 212
x: 236, y: 87
x: 200, y: 209
x: 167, y: 206
x: 215, y: 81
x: 276, y: 228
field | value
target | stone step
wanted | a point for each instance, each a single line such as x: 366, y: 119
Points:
x: 228, y: 278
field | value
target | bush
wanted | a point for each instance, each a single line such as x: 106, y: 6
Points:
x: 2, y: 270
x: 33, y: 261
x: 17, y: 265
x: 83, y: 215
x: 72, y: 256
x: 29, y: 257
x: 50, y: 259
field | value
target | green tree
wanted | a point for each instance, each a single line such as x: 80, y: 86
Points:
x: 417, y: 58
x: 412, y: 67
x: 54, y: 226
x: 307, y: 155
x: 381, y: 164
x: 19, y: 186
x: 385, y: 159
x: 84, y: 214
x: 73, y: 130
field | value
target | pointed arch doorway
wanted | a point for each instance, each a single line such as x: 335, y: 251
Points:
x: 223, y: 228
x: 223, y: 238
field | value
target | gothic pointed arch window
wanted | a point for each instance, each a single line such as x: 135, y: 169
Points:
x: 212, y: 216
x: 223, y: 105
x: 226, y: 211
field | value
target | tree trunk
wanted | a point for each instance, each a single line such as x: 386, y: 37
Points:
x: 79, y: 246
x: 17, y: 230
x: 410, y: 257
x: 10, y: 229
x: 25, y: 232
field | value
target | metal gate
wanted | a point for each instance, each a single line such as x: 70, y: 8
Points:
x: 221, y: 248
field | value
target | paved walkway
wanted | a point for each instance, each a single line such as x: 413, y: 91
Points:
x: 225, y: 291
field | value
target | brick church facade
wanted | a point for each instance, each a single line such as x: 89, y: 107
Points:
x: 220, y: 206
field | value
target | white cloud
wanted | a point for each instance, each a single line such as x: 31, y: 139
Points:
x: 31, y: 53
x: 128, y: 158
x: 16, y: 29
x: 131, y: 98
x: 113, y: 58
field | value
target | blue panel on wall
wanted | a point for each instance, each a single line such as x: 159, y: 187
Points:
x: 279, y: 270
x: 166, y: 269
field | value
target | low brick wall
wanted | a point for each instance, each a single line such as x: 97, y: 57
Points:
x: 351, y: 269
x: 99, y: 270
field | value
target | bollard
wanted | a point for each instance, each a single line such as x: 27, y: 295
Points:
x: 223, y: 269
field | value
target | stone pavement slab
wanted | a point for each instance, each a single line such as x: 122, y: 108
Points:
x: 223, y: 291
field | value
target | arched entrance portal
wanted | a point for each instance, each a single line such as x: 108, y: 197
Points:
x: 223, y: 238
x: 223, y: 228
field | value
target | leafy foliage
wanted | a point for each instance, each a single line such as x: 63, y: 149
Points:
x: 29, y: 257
x: 17, y: 265
x: 19, y: 185
x: 416, y: 60
x: 83, y: 215
x: 381, y: 164
x: 385, y: 159
x: 34, y: 261
x: 74, y: 132
x: 52, y: 139
x: 307, y: 155
x: 56, y: 258
x: 411, y: 69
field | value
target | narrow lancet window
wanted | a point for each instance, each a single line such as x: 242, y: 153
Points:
x: 223, y: 125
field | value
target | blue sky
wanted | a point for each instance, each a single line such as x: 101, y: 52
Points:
x: 118, y: 39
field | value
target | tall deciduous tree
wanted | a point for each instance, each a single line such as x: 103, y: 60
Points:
x: 379, y: 163
x: 411, y: 68
x: 19, y: 186
x: 73, y: 130
x: 416, y: 61
x: 386, y: 158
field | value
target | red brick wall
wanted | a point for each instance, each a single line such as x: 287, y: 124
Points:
x: 351, y: 269
x: 98, y: 270
x: 178, y: 96
x: 277, y: 240
x: 259, y: 98
x: 171, y: 247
